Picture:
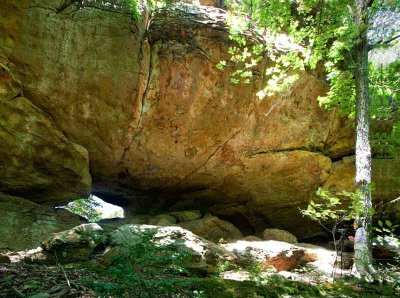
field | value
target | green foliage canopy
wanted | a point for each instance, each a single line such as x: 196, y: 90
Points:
x: 326, y: 33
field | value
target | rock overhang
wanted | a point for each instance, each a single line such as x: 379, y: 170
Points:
x: 163, y: 127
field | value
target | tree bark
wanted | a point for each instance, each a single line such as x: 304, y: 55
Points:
x: 363, y: 260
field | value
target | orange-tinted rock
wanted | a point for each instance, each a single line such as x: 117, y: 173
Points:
x: 155, y: 114
x: 280, y: 255
x: 385, y: 178
x: 83, y: 66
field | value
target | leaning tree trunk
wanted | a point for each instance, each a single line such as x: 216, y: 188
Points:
x: 363, y: 260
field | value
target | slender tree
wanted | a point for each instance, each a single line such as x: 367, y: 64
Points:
x: 363, y: 149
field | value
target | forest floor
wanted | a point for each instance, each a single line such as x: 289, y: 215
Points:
x: 89, y: 279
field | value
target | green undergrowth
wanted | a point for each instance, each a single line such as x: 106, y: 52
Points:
x: 123, y: 281
x: 146, y: 270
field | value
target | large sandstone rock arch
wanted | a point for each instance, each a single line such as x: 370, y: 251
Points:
x: 162, y: 126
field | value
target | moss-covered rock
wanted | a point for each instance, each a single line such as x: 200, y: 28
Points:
x: 73, y: 245
x: 166, y: 248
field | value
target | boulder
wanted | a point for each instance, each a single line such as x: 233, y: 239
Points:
x: 163, y: 247
x: 32, y: 223
x: 386, y: 247
x: 74, y: 245
x: 82, y: 235
x: 251, y: 238
x: 280, y: 255
x: 279, y: 235
x: 162, y: 220
x: 139, y: 219
x: 186, y: 215
x: 4, y: 259
x: 110, y: 225
x: 322, y: 260
x: 213, y: 229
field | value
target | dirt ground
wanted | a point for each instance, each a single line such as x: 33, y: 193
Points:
x: 41, y: 281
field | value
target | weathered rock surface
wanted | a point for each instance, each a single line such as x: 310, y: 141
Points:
x: 81, y: 66
x: 385, y: 178
x: 10, y: 87
x: 258, y: 156
x: 197, y: 254
x: 162, y: 220
x: 213, y: 229
x: 82, y: 235
x: 280, y: 255
x: 251, y: 238
x: 24, y: 224
x: 154, y: 113
x: 74, y: 245
x: 283, y: 257
x: 36, y: 159
x: 322, y: 260
x: 279, y: 235
x: 186, y: 215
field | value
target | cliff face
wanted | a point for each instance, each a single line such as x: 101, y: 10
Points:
x: 37, y: 161
x: 24, y: 224
x: 161, y: 127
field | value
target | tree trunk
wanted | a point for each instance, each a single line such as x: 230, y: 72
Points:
x: 363, y: 260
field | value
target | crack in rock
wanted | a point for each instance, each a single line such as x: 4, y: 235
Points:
x: 218, y: 148
x: 148, y: 65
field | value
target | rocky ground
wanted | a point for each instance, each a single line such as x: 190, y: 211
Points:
x: 154, y: 261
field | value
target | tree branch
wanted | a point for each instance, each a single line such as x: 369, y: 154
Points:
x: 383, y: 42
